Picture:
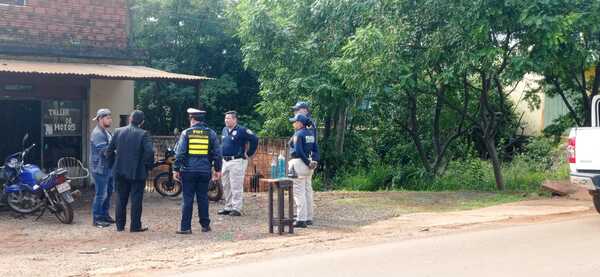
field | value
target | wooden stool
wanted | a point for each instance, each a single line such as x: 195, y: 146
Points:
x: 281, y: 185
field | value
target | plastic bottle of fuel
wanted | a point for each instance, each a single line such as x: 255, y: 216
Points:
x: 274, y: 172
x: 281, y: 166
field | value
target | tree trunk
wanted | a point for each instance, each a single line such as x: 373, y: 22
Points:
x: 496, y: 164
x: 585, y: 98
x: 488, y: 125
x: 324, y: 144
x: 340, y: 127
x: 565, y: 100
x: 327, y: 128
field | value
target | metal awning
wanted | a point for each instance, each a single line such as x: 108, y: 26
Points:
x: 93, y: 71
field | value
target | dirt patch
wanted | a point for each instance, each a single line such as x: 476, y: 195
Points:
x: 48, y: 248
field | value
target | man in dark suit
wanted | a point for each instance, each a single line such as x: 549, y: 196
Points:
x: 132, y: 155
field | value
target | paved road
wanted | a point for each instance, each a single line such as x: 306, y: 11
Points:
x: 567, y: 248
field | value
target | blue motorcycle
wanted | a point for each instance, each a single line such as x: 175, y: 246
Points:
x: 27, y: 189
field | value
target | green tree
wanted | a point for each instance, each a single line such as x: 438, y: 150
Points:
x: 193, y: 37
x: 433, y: 58
x: 292, y: 45
x: 492, y: 57
x: 563, y: 37
x: 403, y: 61
x: 435, y: 71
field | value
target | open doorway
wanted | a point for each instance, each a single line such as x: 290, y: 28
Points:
x: 20, y: 117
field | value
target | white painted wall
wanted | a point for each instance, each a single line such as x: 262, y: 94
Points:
x: 116, y: 95
x: 533, y: 120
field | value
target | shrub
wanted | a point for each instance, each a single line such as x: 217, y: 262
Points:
x: 357, y: 181
x: 540, y: 153
x: 523, y: 175
x: 377, y: 177
x: 543, y: 159
x: 318, y: 183
x: 469, y: 174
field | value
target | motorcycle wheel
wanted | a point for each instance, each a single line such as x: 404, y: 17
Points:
x: 215, y: 191
x: 64, y: 211
x: 166, y: 187
x: 24, y: 202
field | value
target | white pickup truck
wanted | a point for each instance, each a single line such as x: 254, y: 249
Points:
x: 584, y: 154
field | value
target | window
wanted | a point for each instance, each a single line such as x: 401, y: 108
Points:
x: 13, y: 2
x: 123, y: 120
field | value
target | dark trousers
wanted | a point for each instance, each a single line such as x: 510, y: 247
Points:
x: 125, y: 189
x: 194, y: 185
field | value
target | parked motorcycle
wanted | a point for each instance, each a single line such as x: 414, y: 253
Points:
x: 166, y: 185
x: 27, y: 189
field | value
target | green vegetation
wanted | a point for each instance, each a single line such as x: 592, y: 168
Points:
x: 542, y: 160
x: 408, y: 95
x: 192, y: 37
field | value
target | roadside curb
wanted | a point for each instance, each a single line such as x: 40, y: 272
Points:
x: 525, y: 209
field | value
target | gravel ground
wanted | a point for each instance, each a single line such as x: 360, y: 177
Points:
x: 48, y: 248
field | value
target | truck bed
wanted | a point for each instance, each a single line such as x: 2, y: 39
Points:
x: 587, y: 149
x: 584, y: 143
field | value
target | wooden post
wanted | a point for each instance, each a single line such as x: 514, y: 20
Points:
x: 280, y: 212
x: 281, y: 185
x: 291, y: 208
x: 270, y: 209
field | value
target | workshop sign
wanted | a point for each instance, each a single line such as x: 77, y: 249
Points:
x: 62, y: 118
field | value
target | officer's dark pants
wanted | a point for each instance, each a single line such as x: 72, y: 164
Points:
x: 125, y: 189
x: 194, y: 185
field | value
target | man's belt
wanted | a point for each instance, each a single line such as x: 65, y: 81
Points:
x: 229, y: 158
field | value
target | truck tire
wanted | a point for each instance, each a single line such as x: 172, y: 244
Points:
x: 596, y: 198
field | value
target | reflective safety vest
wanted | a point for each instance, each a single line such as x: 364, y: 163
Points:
x: 198, y: 142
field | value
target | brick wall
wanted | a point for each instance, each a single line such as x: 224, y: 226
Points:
x: 267, y: 149
x: 66, y: 23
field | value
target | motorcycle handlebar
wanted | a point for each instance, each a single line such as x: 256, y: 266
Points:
x: 30, y: 147
x: 27, y: 150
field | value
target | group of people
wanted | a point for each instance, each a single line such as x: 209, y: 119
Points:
x: 120, y: 162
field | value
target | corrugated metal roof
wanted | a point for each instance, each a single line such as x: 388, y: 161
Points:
x: 103, y: 71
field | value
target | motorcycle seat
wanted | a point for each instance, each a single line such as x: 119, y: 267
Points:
x: 56, y: 172
x: 41, y: 176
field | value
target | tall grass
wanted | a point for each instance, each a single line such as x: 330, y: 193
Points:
x: 519, y: 176
x: 525, y: 173
x: 377, y: 177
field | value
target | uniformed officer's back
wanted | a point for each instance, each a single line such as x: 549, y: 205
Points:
x: 197, y: 149
x: 197, y: 153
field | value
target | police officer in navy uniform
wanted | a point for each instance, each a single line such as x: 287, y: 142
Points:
x: 303, y: 108
x: 197, y: 153
x: 235, y: 160
x: 304, y: 154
